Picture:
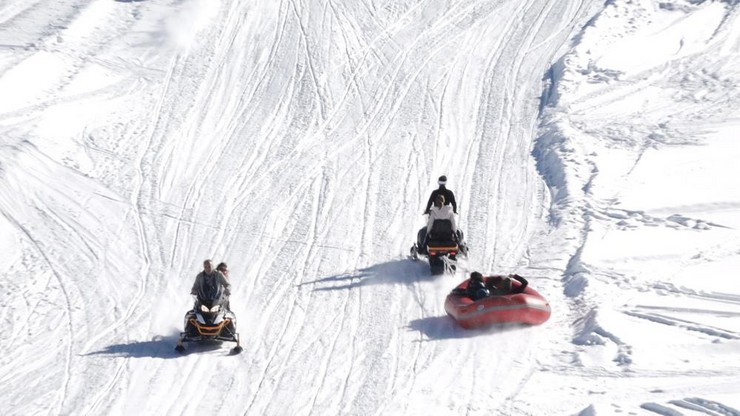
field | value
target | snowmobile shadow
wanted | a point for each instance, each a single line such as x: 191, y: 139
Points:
x: 437, y: 328
x: 158, y: 347
x: 391, y: 272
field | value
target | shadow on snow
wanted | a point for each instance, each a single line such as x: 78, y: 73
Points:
x: 392, y: 272
x: 405, y: 271
x: 444, y: 327
x: 159, y: 347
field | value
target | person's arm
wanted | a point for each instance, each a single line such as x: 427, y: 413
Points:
x: 454, y: 224
x: 430, y: 221
x: 225, y: 282
x: 196, y: 285
x: 521, y: 280
x: 430, y: 202
x: 453, y: 202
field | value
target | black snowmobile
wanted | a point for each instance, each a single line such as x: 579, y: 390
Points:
x: 441, y: 248
x: 210, y: 320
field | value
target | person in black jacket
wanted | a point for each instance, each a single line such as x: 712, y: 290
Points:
x: 503, y: 285
x: 479, y: 288
x: 442, y: 190
x: 211, y: 277
x: 476, y: 288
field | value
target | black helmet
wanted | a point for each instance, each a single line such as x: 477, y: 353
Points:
x: 442, y: 180
x: 476, y: 276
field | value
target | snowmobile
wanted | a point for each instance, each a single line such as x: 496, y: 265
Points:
x: 210, y: 320
x: 441, y: 247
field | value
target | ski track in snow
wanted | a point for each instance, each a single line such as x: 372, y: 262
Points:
x: 298, y: 141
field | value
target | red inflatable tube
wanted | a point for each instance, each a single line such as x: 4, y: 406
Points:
x: 528, y: 307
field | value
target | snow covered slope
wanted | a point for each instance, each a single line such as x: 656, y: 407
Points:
x: 299, y: 140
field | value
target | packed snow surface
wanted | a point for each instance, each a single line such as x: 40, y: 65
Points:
x: 592, y: 147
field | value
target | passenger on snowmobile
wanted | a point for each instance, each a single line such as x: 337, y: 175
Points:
x: 210, y: 280
x: 224, y: 269
x: 440, y: 211
x: 442, y: 190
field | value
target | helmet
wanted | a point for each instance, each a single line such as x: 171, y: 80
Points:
x: 442, y: 180
x: 476, y: 276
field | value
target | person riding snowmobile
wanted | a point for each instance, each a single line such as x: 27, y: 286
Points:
x: 211, y: 277
x: 211, y: 318
x: 442, y: 190
x: 224, y: 269
x: 440, y: 211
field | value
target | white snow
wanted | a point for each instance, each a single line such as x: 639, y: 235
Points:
x: 299, y: 140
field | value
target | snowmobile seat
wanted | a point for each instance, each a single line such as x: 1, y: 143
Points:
x: 441, y: 234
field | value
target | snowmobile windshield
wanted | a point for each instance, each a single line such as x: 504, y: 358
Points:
x: 210, y: 292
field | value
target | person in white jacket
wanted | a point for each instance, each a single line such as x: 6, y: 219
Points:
x: 440, y: 211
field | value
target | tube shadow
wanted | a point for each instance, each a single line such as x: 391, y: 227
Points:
x: 438, y: 328
x: 444, y: 327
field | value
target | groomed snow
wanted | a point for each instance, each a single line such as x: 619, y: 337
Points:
x: 591, y: 146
